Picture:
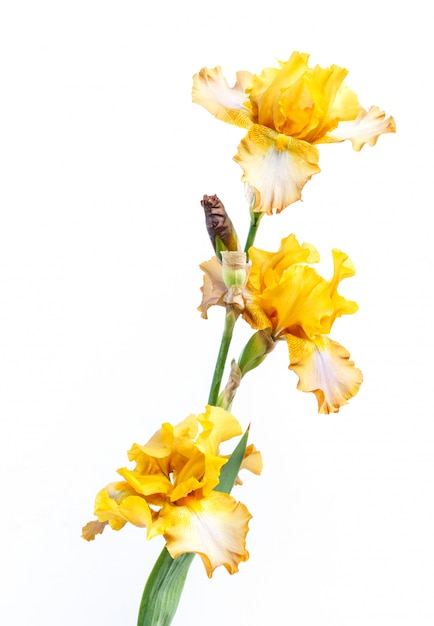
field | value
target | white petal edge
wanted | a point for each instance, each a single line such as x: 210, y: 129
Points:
x: 366, y: 128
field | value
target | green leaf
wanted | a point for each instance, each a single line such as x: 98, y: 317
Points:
x: 163, y: 590
x: 230, y: 470
x: 166, y: 581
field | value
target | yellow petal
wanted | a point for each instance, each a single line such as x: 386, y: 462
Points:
x: 200, y: 472
x: 277, y: 166
x: 343, y: 268
x: 268, y: 267
x: 146, y: 485
x: 256, y: 316
x: 136, y: 511
x: 218, y: 425
x: 266, y: 88
x: 300, y: 300
x: 324, y: 368
x: 211, y: 90
x: 157, y: 455
x: 214, y: 527
x: 252, y: 462
x: 117, y: 504
x: 366, y: 128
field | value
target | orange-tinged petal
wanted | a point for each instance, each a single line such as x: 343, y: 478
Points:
x: 211, y: 90
x: 162, y: 451
x: 366, y: 128
x: 300, y: 300
x: 332, y: 102
x: 277, y: 166
x: 324, y: 368
x: 145, y: 464
x: 266, y: 88
x: 92, y: 529
x: 292, y: 295
x: 214, y: 527
x: 268, y: 267
x: 214, y: 288
x: 255, y: 315
x: 200, y: 472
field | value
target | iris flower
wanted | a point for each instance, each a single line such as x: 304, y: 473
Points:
x: 171, y: 492
x: 287, y: 111
x: 286, y: 297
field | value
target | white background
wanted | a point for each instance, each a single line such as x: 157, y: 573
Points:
x: 104, y: 160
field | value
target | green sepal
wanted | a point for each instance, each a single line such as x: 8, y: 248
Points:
x: 166, y: 581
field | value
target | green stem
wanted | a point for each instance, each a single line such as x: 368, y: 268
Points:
x: 230, y: 319
x: 255, y: 219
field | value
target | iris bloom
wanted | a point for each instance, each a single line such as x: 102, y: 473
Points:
x: 286, y: 112
x: 286, y: 296
x: 170, y: 492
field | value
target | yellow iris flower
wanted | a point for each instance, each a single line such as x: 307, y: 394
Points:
x: 287, y: 296
x: 286, y: 111
x: 170, y: 492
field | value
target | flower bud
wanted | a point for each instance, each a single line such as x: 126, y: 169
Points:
x: 257, y: 348
x: 220, y: 228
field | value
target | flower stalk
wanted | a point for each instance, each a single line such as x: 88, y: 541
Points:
x: 255, y: 219
x: 229, y: 325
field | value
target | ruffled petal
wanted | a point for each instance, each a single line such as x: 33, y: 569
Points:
x: 218, y: 425
x: 168, y: 437
x: 252, y: 462
x: 214, y: 527
x: 366, y: 128
x: 213, y: 288
x: 265, y: 89
x: 92, y: 529
x: 146, y: 485
x: 117, y: 504
x: 277, y: 166
x: 268, y: 267
x: 300, y: 300
x: 200, y: 472
x: 324, y: 368
x: 211, y: 90
x: 343, y: 268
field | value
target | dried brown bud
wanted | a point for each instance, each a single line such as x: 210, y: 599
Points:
x: 219, y: 226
